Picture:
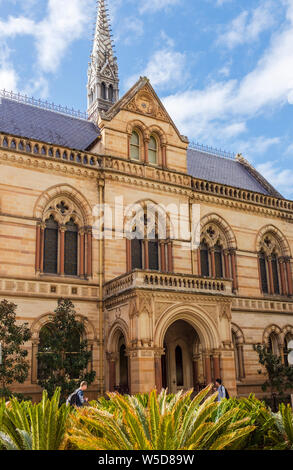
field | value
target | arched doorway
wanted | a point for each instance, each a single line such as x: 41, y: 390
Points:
x: 122, y: 372
x: 182, y: 365
x: 118, y: 363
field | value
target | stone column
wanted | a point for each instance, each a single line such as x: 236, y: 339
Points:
x: 112, y: 359
x: 208, y: 369
x: 216, y: 363
x: 195, y: 367
x: 164, y: 156
x: 146, y: 150
x: 198, y: 262
x: 128, y: 142
x: 283, y: 277
x: 227, y: 264
x: 241, y: 360
x: 38, y: 250
x: 142, y: 369
x: 34, y: 364
x: 81, y: 253
x: 213, y: 264
x: 62, y: 247
x: 289, y: 275
x: 163, y: 256
x: 42, y: 241
x: 89, y: 253
x: 170, y: 258
x: 158, y: 370
x: 128, y: 255
x: 234, y: 274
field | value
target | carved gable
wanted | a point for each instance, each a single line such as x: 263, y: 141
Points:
x: 144, y: 102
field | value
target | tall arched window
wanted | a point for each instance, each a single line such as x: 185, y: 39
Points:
x: 204, y: 259
x: 64, y: 240
x: 218, y: 261
x: 71, y: 248
x: 274, y: 266
x: 153, y: 151
x: 135, y: 146
x: 273, y: 344
x: 51, y: 246
x: 145, y: 251
x: 44, y: 351
x: 216, y: 256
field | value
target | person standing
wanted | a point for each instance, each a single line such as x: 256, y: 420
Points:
x: 222, y: 392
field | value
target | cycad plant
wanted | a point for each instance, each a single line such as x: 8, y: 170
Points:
x: 28, y: 426
x: 282, y: 438
x: 164, y: 424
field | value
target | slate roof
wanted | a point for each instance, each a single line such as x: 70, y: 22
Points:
x: 29, y: 121
x: 223, y: 170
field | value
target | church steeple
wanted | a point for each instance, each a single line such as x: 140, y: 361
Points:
x: 103, y: 79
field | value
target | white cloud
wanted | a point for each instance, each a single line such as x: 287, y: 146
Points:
x: 269, y: 85
x: 155, y: 5
x: 8, y: 75
x: 247, y: 27
x: 221, y: 2
x: 165, y: 68
x: 281, y: 179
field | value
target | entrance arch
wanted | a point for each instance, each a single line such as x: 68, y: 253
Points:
x: 118, y: 360
x: 189, y: 344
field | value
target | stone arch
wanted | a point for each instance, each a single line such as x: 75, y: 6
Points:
x: 118, y: 328
x: 287, y: 330
x: 196, y: 317
x: 275, y: 329
x: 238, y: 333
x: 143, y: 203
x: 223, y: 226
x: 44, y: 319
x: 278, y: 235
x: 67, y: 192
x: 137, y: 124
x: 158, y: 131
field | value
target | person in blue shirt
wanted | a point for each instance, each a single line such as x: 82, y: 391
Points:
x: 77, y: 398
x: 221, y: 390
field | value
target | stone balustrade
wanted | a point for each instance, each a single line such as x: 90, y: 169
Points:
x: 168, y: 282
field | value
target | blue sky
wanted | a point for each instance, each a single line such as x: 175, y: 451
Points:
x: 223, y: 68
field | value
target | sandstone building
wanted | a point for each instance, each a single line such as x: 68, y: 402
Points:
x: 157, y: 313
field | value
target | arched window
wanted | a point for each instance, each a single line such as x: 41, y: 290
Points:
x: 44, y: 351
x: 51, y: 246
x: 71, y: 248
x: 179, y: 366
x: 263, y: 272
x: 111, y: 93
x: 144, y: 251
x: 153, y: 151
x: 218, y: 261
x: 135, y: 146
x: 274, y: 266
x: 154, y: 255
x: 273, y: 344
x: 103, y: 91
x: 287, y: 339
x: 204, y: 259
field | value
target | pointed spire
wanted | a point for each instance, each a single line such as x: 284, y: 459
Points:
x: 103, y: 79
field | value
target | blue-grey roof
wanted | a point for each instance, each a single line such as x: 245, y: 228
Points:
x: 222, y: 170
x: 29, y: 121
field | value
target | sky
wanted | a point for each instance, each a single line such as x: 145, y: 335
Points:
x: 223, y: 68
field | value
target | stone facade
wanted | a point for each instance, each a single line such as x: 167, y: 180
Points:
x: 175, y: 326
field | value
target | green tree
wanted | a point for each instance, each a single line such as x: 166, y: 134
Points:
x: 14, y: 367
x: 279, y: 376
x: 63, y: 356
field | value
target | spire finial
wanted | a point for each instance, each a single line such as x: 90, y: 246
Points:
x: 103, y: 79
